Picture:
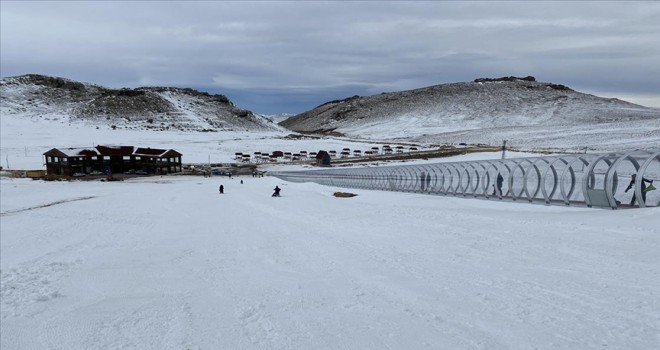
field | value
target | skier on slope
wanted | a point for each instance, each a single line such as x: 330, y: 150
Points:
x: 277, y: 192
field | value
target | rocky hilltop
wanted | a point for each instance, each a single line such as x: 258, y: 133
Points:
x: 150, y: 108
x: 482, y: 111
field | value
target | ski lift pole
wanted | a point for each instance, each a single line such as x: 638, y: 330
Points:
x: 504, y: 149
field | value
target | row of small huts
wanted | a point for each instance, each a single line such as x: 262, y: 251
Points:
x: 303, y: 155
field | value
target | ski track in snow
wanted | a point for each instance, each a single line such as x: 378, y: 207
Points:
x: 45, y: 205
x: 168, y: 263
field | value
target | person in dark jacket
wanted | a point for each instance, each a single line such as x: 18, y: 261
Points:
x: 500, y: 180
x: 222, y: 189
x: 632, y: 184
x: 277, y: 192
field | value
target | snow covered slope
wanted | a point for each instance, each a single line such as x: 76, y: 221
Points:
x: 528, y: 113
x: 168, y: 263
x: 276, y: 118
x: 41, y: 97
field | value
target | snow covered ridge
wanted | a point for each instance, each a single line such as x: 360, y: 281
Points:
x: 276, y: 118
x: 530, y: 114
x: 146, y: 108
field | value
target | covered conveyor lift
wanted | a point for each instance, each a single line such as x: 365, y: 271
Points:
x: 609, y: 180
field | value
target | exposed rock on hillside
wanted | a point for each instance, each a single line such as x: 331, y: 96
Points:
x: 489, y: 80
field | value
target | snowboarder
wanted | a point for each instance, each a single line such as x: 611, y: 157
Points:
x: 632, y: 183
x: 222, y: 189
x: 277, y: 192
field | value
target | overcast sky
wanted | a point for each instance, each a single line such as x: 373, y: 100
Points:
x: 279, y: 56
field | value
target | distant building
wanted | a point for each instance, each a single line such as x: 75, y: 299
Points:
x: 111, y: 160
x: 323, y: 158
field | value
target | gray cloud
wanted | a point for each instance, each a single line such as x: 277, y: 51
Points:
x: 271, y: 56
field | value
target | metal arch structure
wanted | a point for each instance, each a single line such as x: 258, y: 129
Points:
x: 592, y: 180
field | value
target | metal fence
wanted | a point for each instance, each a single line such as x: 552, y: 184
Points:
x: 611, y: 180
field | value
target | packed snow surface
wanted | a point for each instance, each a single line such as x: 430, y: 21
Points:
x: 169, y: 263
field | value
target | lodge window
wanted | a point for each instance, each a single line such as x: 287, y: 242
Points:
x: 127, y: 158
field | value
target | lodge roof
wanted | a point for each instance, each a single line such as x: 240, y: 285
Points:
x: 115, y: 150
x: 150, y: 151
x: 156, y: 152
x: 72, y: 152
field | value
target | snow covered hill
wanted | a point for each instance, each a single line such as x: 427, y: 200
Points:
x: 528, y: 113
x: 46, y: 98
x: 532, y: 116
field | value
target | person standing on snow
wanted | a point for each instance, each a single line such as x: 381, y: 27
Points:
x: 277, y: 192
x: 632, y: 183
x: 222, y: 189
x: 500, y: 180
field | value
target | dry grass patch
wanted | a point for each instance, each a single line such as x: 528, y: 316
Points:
x: 344, y: 194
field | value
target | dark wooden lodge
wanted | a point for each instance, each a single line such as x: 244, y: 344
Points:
x: 111, y: 160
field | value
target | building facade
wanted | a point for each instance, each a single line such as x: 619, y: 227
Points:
x: 111, y: 160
